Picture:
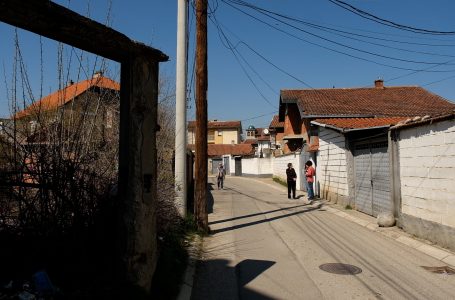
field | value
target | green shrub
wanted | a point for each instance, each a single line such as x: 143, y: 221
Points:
x: 279, y: 180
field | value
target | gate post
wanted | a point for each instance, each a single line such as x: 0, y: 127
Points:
x: 137, y: 170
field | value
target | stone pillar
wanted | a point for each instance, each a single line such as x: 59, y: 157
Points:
x: 137, y: 171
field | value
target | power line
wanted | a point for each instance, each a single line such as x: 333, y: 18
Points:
x: 438, y: 81
x: 312, y: 24
x: 260, y: 116
x: 374, y: 18
x: 241, y: 42
x: 265, y: 13
x: 229, y: 46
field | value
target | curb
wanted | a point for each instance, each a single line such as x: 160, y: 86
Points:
x: 194, y: 251
x: 438, y: 253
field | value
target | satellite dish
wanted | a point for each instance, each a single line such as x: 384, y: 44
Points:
x: 266, y: 131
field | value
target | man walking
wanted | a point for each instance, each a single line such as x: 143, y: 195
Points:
x: 220, y: 176
x: 291, y: 180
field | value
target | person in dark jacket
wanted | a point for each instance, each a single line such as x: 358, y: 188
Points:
x: 291, y: 179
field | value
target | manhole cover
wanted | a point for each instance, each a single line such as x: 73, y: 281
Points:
x: 440, y: 270
x: 341, y: 269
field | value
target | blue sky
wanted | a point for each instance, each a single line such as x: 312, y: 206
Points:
x: 275, y: 56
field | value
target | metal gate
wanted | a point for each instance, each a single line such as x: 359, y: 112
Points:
x: 226, y: 165
x: 372, y: 179
x: 238, y: 166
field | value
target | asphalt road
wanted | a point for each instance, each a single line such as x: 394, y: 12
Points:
x: 264, y: 246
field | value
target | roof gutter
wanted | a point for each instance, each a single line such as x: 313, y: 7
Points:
x: 336, y: 116
x: 346, y: 130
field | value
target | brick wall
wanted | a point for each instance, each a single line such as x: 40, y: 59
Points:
x: 427, y: 172
x: 331, y: 171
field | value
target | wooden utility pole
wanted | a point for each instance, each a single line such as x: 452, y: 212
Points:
x: 200, y: 191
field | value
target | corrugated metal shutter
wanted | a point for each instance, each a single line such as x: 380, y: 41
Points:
x: 372, y: 182
x: 363, y: 190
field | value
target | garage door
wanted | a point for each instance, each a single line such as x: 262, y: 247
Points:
x: 372, y: 182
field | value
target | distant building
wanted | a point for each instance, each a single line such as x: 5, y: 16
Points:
x: 94, y: 101
x: 276, y: 129
x: 259, y: 138
x: 219, y: 132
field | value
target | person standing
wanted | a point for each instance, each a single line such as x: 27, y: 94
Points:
x: 291, y: 180
x: 309, y: 174
x: 220, y: 176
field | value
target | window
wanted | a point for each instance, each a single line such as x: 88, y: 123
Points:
x: 314, y: 130
x: 220, y: 133
x: 211, y: 136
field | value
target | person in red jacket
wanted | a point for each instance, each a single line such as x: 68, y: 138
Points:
x: 309, y: 173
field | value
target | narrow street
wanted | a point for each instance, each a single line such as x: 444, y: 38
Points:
x: 264, y: 246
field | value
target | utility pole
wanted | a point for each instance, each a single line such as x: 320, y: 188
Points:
x: 200, y: 191
x: 180, y: 109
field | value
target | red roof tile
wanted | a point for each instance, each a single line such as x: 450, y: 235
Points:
x: 387, y: 101
x: 250, y: 141
x: 218, y: 124
x: 359, y: 123
x: 66, y: 94
x: 214, y: 150
x: 418, y: 121
x: 275, y: 123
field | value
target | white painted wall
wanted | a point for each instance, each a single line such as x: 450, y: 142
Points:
x: 280, y: 164
x: 331, y: 171
x: 257, y: 166
x: 275, y: 166
x: 427, y: 172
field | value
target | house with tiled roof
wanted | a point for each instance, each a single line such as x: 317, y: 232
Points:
x: 345, y: 131
x: 276, y: 129
x: 218, y: 132
x: 95, y: 100
x: 260, y: 138
x: 224, y: 143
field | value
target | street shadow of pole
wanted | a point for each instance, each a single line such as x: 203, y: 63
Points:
x: 238, y: 226
x: 215, y: 279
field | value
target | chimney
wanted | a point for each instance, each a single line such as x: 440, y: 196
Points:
x: 98, y: 74
x: 379, y: 83
x: 70, y: 82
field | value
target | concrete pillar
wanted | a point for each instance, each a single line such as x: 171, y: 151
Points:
x: 180, y: 110
x: 137, y: 170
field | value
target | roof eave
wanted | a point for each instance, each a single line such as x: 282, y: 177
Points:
x: 346, y: 130
x: 335, y: 116
x: 421, y: 122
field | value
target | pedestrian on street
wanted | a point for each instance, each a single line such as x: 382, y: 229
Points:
x: 291, y: 180
x: 220, y: 176
x: 309, y: 174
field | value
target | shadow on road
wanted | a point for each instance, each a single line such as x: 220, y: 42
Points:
x: 265, y: 220
x: 215, y: 279
x: 255, y: 214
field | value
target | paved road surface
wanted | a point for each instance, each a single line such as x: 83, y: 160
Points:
x: 265, y: 246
